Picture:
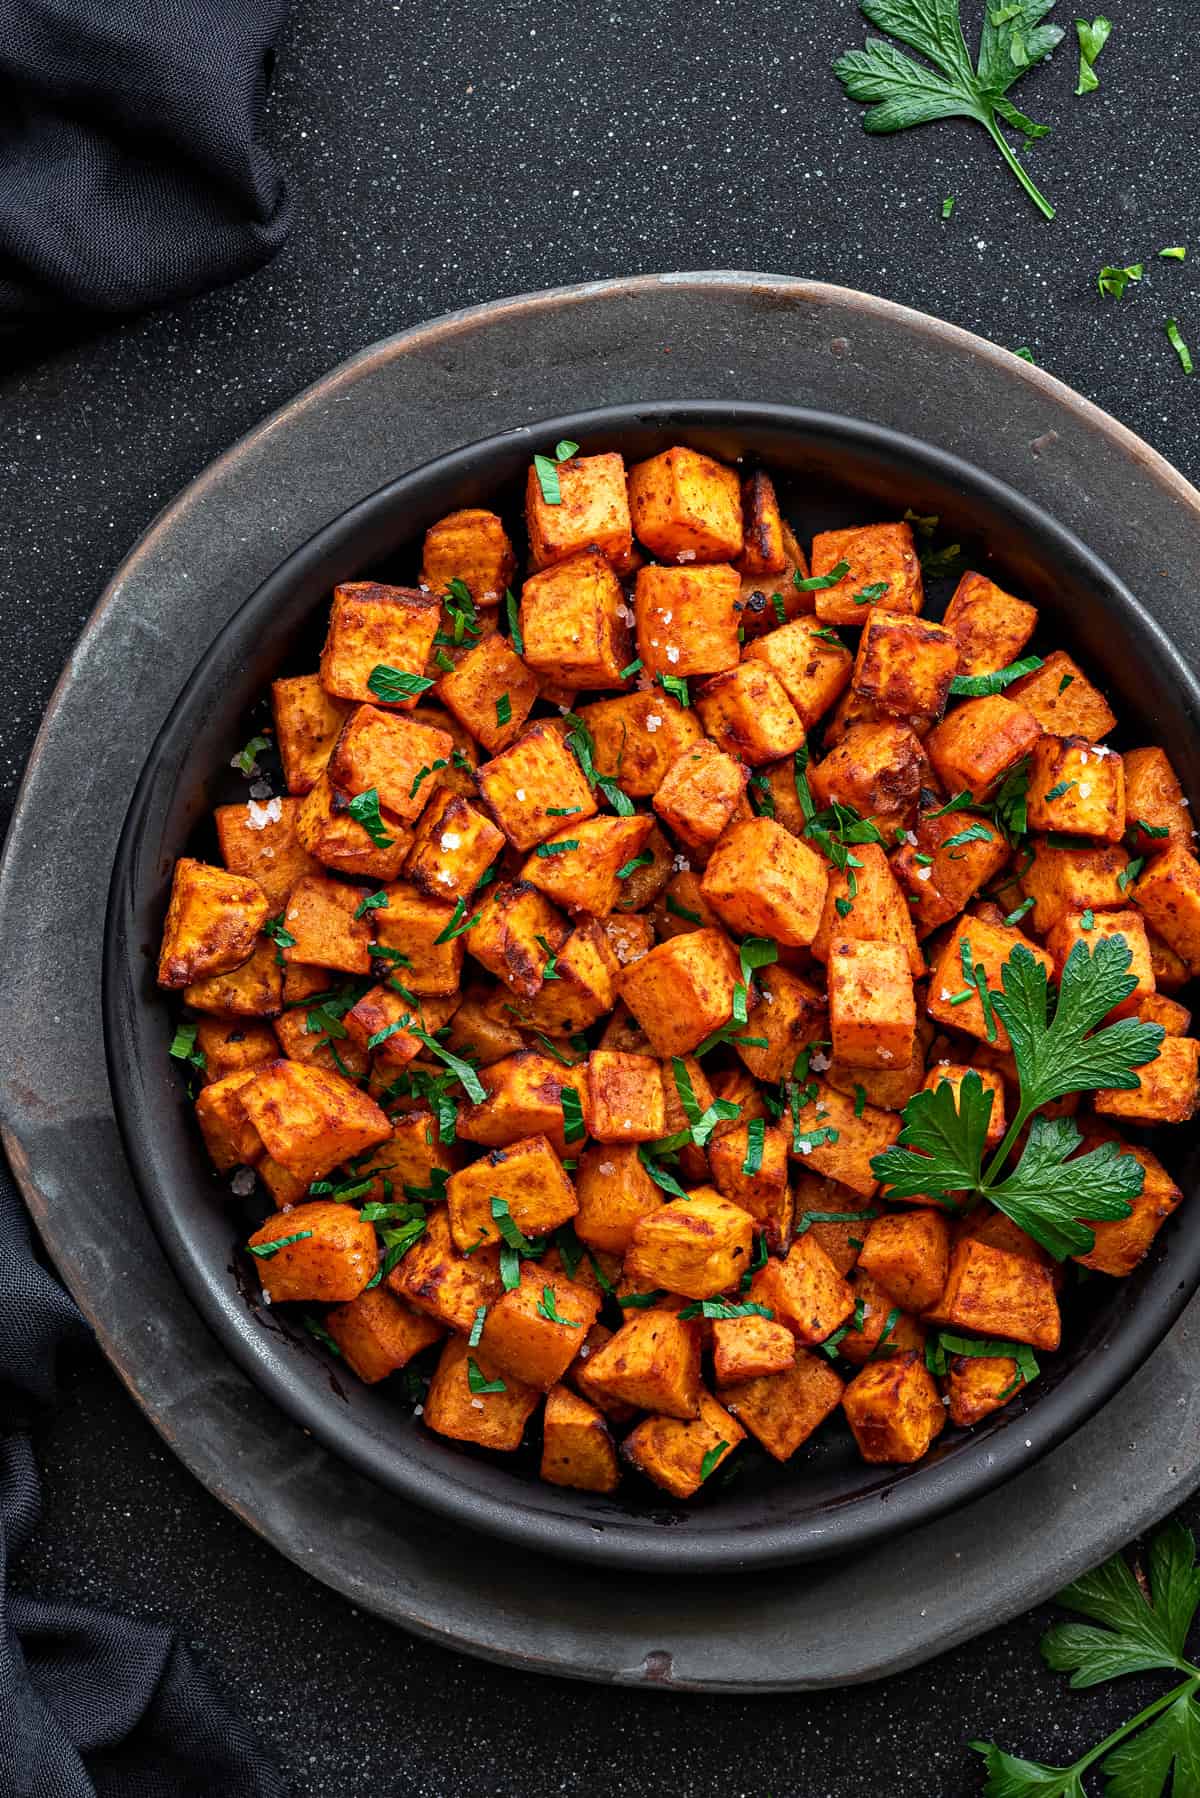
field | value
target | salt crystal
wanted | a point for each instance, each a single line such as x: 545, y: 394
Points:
x: 1083, y: 758
x: 477, y: 1404
x: 910, y: 837
x: 625, y: 614
x: 1085, y: 789
x: 667, y: 617
x: 243, y: 1181
x: 418, y: 1410
x: 584, y: 1352
x: 265, y: 1296
x: 259, y: 816
x: 607, y: 1167
x: 261, y: 790
x: 924, y: 873
x: 672, y: 653
x: 944, y: 995
x: 520, y: 793
x: 686, y: 555
x: 652, y: 721
x: 679, y: 863
x: 445, y: 876
x: 768, y: 998
x: 628, y: 1124
x: 450, y: 840
x: 818, y: 1064
x: 805, y: 1147
x: 884, y: 1054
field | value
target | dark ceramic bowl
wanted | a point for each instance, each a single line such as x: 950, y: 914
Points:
x: 830, y: 471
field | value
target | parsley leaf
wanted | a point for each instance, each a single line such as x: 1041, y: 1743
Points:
x: 547, y: 1308
x: 394, y: 684
x: 712, y: 1460
x: 514, y: 621
x: 247, y: 759
x: 981, y: 686
x: 265, y: 1250
x: 1178, y: 345
x: 1112, y: 282
x: 183, y: 1046
x: 364, y: 809
x: 1092, y: 39
x: 477, y: 1380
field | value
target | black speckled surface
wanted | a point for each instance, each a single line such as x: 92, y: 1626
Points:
x: 443, y: 159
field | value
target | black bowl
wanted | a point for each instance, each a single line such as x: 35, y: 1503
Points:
x: 826, y: 1501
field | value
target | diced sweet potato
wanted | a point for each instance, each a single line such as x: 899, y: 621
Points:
x: 471, y: 546
x: 572, y: 623
x: 578, y: 866
x: 614, y: 1191
x: 872, y: 1008
x: 524, y: 1099
x: 440, y: 1282
x: 1060, y: 879
x: 783, y: 1410
x: 686, y: 619
x: 990, y: 626
x: 948, y: 859
x: 593, y: 508
x: 380, y: 752
x: 309, y: 1119
x: 653, y: 1363
x: 762, y: 881
x: 378, y: 1334
x: 285, y: 1189
x: 682, y: 990
x: 638, y: 736
x: 680, y: 1456
x: 333, y: 836
x: 212, y: 922
x: 534, y: 1331
x: 889, y: 1087
x: 625, y: 1098
x: 999, y: 1293
x: 748, y: 1348
x: 878, y: 769
x: 988, y: 948
x: 470, y: 1413
x: 1168, y: 893
x: 883, y: 1328
x: 877, y: 911
x: 876, y: 553
x: 229, y: 1136
x: 1091, y: 929
x: 644, y: 876
x: 299, y: 1043
x: 763, y: 1192
x: 1077, y: 787
x: 255, y: 990
x: 260, y: 841
x: 747, y: 713
x: 1156, y: 1008
x: 454, y: 844
x: 894, y: 1409
x: 904, y: 665
x: 491, y: 692
x: 839, y: 1144
x: 977, y: 1385
x: 232, y: 1045
x: 369, y: 1021
x: 517, y: 933
x: 700, y: 793
x: 325, y: 1253
x: 577, y: 1449
x: 373, y: 626
x: 320, y: 918
x: 1124, y: 1241
x: 764, y: 550
x: 411, y: 924
x: 698, y: 1246
x: 629, y: 938
x: 815, y: 1202
x: 581, y: 987
x: 1168, y: 1091
x: 474, y: 1032
x: 1154, y: 802
x: 527, y: 1176
x: 1063, y: 699
x: 810, y: 662
x: 789, y: 1015
x: 307, y: 722
x: 909, y: 1255
x: 686, y: 508
x: 981, y: 741
x: 805, y: 1291
x: 527, y: 787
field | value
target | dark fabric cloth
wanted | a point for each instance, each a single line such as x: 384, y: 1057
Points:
x: 131, y: 173
x: 91, y: 1705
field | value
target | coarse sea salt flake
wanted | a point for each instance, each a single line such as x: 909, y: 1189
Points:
x: 607, y: 1167
x: 1085, y: 789
x: 686, y: 555
x: 672, y: 653
x: 450, y: 840
x: 924, y: 873
x: 652, y: 721
x: 243, y: 1181
x: 819, y: 1063
x: 259, y: 816
x: 520, y: 793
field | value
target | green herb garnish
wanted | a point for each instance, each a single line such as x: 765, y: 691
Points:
x: 1178, y: 345
x: 364, y: 809
x: 549, y: 1310
x: 712, y: 1459
x: 393, y: 684
x: 1092, y: 39
x: 247, y: 759
x: 183, y: 1046
x: 572, y: 1111
x: 981, y: 686
x: 477, y: 1381
x: 676, y: 686
x: 1112, y: 282
x: 459, y: 923
x: 637, y: 861
x: 514, y: 621
x: 817, y: 583
x: 265, y: 1250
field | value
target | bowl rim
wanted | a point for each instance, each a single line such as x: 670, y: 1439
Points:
x: 922, y: 1492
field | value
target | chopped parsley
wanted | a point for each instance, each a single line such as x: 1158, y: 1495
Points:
x: 459, y: 923
x: 183, y: 1045
x: 756, y: 1131
x: 514, y: 621
x: 247, y: 759
x: 504, y: 709
x: 391, y: 685
x: 478, y: 1382
x: 546, y: 850
x: 1112, y: 282
x: 630, y: 669
x: 871, y: 595
x: 371, y: 902
x: 265, y: 1250
x: 982, y: 686
x: 817, y: 583
x: 364, y: 809
x: 1092, y: 39
x: 643, y: 860
x: 477, y: 1327
x: 682, y: 911
x: 712, y: 1460
x: 572, y: 1112
x: 676, y: 686
x: 1178, y: 345
x: 549, y: 1310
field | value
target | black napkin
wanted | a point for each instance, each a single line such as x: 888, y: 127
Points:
x: 91, y: 1705
x: 130, y: 168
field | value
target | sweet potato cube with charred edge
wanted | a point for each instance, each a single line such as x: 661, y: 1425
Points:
x: 1063, y: 699
x: 764, y: 551
x: 376, y: 749
x: 805, y: 1291
x: 378, y: 1334
x: 878, y: 769
x: 1153, y: 796
x: 311, y: 1120
x: 649, y: 873
x: 990, y: 626
x: 904, y: 665
x: 680, y: 1456
x: 371, y: 626
x: 909, y: 1255
x: 212, y: 922
x: 638, y: 736
x: 440, y: 1282
x: 989, y: 947
x: 1169, y: 1092
x: 527, y: 1176
x: 682, y: 990
x: 415, y: 1150
x: 523, y: 783
x: 512, y: 917
x: 411, y: 924
x: 840, y: 1241
x: 686, y: 507
x: 763, y: 1193
x: 572, y: 624
x: 790, y: 1014
x: 977, y: 1385
x: 1122, y: 1242
x: 999, y: 1293
x: 577, y: 1449
x: 686, y: 619
x: 748, y: 714
x: 524, y: 1099
x: 783, y: 1410
x: 886, y: 1330
x: 1079, y: 927
x: 377, y: 1011
x: 535, y: 1331
x: 625, y: 1098
x: 584, y: 876
x: 875, y: 552
x: 593, y: 508
x: 487, y: 675
x: 749, y: 1348
x: 320, y: 916
x: 1168, y: 893
x: 307, y: 722
x: 872, y: 1008
x: 811, y: 670
x: 1078, y: 788
x: 981, y: 741
x: 839, y: 1145
x: 490, y: 1419
x: 1170, y: 970
x: 233, y: 1045
x: 263, y: 847
x: 333, y: 837
x: 953, y: 1073
x: 582, y: 989
x: 894, y: 1409
x: 455, y: 844
x: 614, y: 1192
x: 229, y: 1136
x: 471, y: 546
x: 255, y: 990
x: 653, y: 1363
x: 333, y: 1261
x: 697, y: 1247
x: 762, y: 881
x: 699, y: 794
x: 954, y: 855
x: 877, y: 912
x: 1061, y: 880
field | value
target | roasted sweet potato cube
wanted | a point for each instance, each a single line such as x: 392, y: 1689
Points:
x: 810, y: 662
x: 315, y: 1046
x: 762, y: 881
x: 944, y: 863
x: 686, y: 619
x: 697, y: 1247
x: 525, y: 1098
x: 1168, y: 1091
x: 804, y: 1291
x: 682, y: 990
x: 1091, y: 928
x: 832, y: 1140
x: 212, y: 922
x: 894, y: 1409
x: 440, y: 1282
x: 581, y: 988
x: 614, y: 1191
x: 953, y: 1073
x: 529, y: 787
x: 815, y: 1203
x: 763, y: 1190
x: 455, y: 843
x: 747, y: 713
x: 378, y: 751
x: 467, y: 1411
x: 527, y: 1176
x: 378, y: 1334
x: 517, y: 934
x: 999, y: 1293
x: 625, y: 1098
x: 988, y: 948
x: 573, y: 621
x: 990, y: 626
x: 904, y: 665
x: 1170, y: 970
x: 979, y: 742
x: 307, y: 722
x: 1156, y: 1008
x: 577, y: 1449
x: 638, y: 736
x: 411, y: 924
x: 879, y: 1328
x: 876, y: 553
x: 475, y: 1033
x: 783, y: 1410
x: 229, y: 1136
x: 593, y: 508
x: 702, y: 790
x: 375, y: 1024
x: 693, y: 1161
x: 534, y: 1331
x: 680, y: 1456
x: 653, y: 1363
x: 877, y: 911
x: 888, y: 1087
x: 764, y: 550
x: 1060, y: 879
x: 255, y: 990
x: 260, y: 841
x: 686, y: 508
x: 909, y: 1254
x: 333, y: 836
x: 748, y: 1348
x: 321, y: 1253
x: 878, y: 769
x: 1077, y: 788
x: 372, y: 626
x: 285, y: 1189
x: 977, y: 1385
x: 320, y: 918
x: 471, y: 546
x: 1120, y: 1243
x: 872, y: 1007
x: 1063, y: 699
x: 309, y: 1119
x: 789, y: 1015
x: 491, y: 692
x: 1154, y: 802
x: 232, y: 1045
x: 1168, y: 893
x: 416, y: 1155
x: 578, y: 866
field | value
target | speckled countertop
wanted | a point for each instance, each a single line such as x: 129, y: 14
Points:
x: 442, y: 157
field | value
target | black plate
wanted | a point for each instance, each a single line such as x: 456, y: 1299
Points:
x: 825, y: 1501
